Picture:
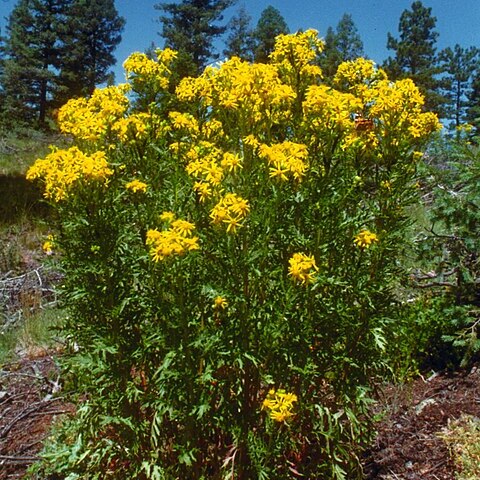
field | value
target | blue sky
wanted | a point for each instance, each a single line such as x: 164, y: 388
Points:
x: 458, y: 21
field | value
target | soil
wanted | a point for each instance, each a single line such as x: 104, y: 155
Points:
x: 30, y: 400
x: 408, y: 445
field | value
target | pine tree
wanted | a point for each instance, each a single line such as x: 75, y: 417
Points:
x: 415, y: 53
x: 341, y: 46
x: 30, y: 58
x: 458, y: 66
x: 54, y: 50
x: 190, y: 27
x: 348, y: 42
x: 240, y: 41
x: 270, y: 24
x: 89, y: 36
x: 473, y: 108
x: 330, y: 58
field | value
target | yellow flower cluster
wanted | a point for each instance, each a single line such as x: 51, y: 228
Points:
x: 280, y: 404
x: 212, y: 129
x: 365, y: 238
x: 399, y: 105
x: 90, y: 119
x: 395, y: 109
x: 174, y: 241
x: 61, y: 169
x: 136, y: 186
x: 367, y: 108
x: 134, y: 127
x: 302, y: 268
x: 329, y: 109
x: 142, y: 70
x: 395, y: 98
x: 295, y: 56
x: 231, y: 210
x: 204, y: 164
x: 208, y: 165
x: 358, y: 76
x: 285, y: 159
x: 254, y: 89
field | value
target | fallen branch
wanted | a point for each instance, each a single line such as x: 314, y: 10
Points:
x: 52, y: 412
x: 25, y: 413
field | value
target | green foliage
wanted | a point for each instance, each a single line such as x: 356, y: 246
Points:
x: 54, y: 50
x: 458, y: 67
x: 30, y: 57
x: 415, y: 53
x: 20, y: 147
x: 455, y: 216
x: 190, y: 28
x: 270, y: 24
x: 473, y: 109
x: 442, y: 318
x: 240, y: 40
x: 341, y: 45
x: 431, y: 333
x: 89, y: 36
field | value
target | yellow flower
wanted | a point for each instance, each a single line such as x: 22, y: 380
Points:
x: 135, y: 126
x: 358, y: 75
x: 142, y: 71
x: 166, y: 56
x: 280, y: 404
x: 302, y: 268
x: 48, y: 245
x: 256, y: 90
x: 167, y: 217
x: 184, y: 121
x: 365, y: 238
x: 417, y: 155
x: 386, y: 185
x: 203, y: 189
x: 136, y: 186
x: 295, y: 57
x: 220, y: 303
x: 251, y: 141
x: 204, y: 164
x: 183, y: 228
x: 231, y: 161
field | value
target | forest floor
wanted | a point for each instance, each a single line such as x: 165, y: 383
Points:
x: 408, y: 445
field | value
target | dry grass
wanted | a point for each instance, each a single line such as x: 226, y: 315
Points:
x: 463, y: 439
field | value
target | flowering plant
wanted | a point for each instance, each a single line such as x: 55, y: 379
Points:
x: 245, y: 243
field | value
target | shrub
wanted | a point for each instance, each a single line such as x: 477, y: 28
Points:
x: 231, y: 251
x: 448, y: 252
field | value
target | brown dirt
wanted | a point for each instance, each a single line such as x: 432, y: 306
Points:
x: 408, y: 446
x: 29, y: 403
